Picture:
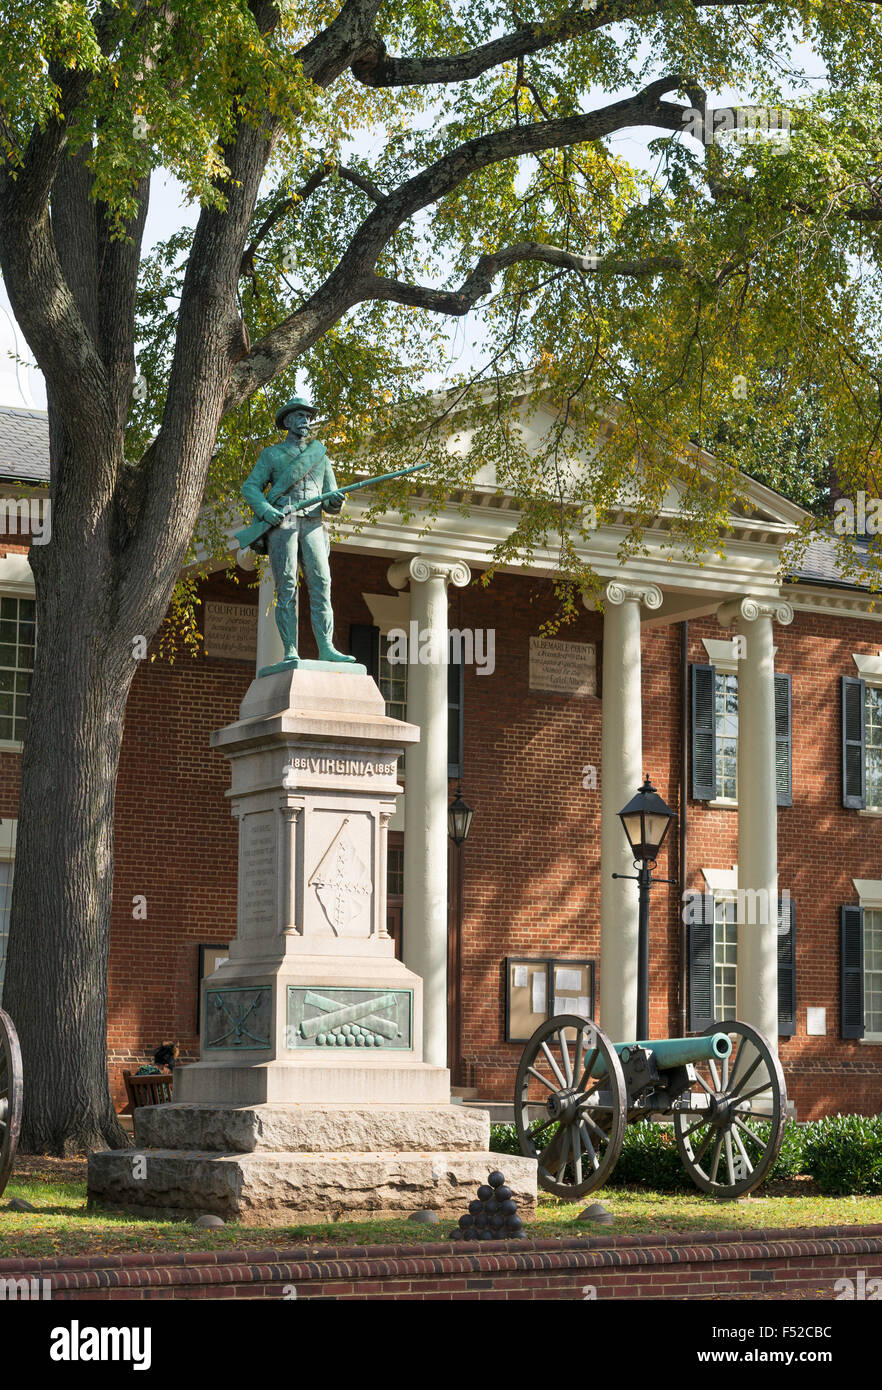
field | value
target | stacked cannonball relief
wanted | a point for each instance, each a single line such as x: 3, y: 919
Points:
x: 349, y: 1035
x: 493, y: 1215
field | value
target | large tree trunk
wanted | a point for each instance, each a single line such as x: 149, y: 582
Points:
x: 56, y: 974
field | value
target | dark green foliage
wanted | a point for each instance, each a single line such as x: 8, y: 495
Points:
x: 843, y: 1153
x: 650, y: 1159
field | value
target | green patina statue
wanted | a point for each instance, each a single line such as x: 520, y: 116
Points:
x: 287, y: 476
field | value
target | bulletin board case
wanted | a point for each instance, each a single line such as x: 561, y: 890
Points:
x: 538, y: 987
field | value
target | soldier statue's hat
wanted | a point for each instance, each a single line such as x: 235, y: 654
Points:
x: 295, y: 403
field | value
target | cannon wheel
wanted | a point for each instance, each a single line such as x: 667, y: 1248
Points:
x: 10, y: 1097
x: 580, y: 1138
x: 730, y: 1152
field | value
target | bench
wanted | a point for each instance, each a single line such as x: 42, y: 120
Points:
x: 153, y: 1089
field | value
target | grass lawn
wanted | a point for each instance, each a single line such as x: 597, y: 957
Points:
x: 61, y: 1225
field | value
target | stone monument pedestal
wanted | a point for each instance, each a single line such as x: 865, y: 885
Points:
x: 311, y: 1099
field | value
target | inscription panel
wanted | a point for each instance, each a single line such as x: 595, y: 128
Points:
x: 259, y: 868
x: 566, y: 668
x: 231, y: 630
x: 339, y: 1017
x: 322, y: 770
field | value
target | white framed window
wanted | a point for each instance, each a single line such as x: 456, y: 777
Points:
x: 873, y: 972
x: 725, y: 955
x: 726, y: 735
x: 869, y: 893
x: 392, y: 680
x: 18, y: 621
x: 873, y: 747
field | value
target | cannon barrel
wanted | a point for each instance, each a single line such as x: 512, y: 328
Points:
x: 676, y: 1052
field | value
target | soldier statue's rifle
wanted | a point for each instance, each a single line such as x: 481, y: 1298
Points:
x: 258, y: 529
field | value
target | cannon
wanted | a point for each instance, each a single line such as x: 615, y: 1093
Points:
x: 10, y: 1097
x: 722, y: 1091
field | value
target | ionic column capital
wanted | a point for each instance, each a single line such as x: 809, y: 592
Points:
x: 421, y: 568
x: 749, y: 609
x: 627, y: 591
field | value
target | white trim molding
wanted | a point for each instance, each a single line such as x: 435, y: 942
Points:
x: 389, y: 610
x: 722, y: 882
x: 16, y: 576
x: 723, y: 655
x: 869, y: 891
x: 869, y: 667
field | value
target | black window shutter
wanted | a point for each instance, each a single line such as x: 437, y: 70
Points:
x: 364, y: 645
x: 455, y: 684
x: 704, y: 742
x: 854, y: 778
x: 700, y: 907
x: 851, y: 973
x: 786, y: 967
x: 783, y: 741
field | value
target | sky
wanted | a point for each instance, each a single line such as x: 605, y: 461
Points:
x: 21, y: 384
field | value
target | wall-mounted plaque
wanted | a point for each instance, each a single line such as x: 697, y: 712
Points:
x: 566, y: 668
x: 231, y: 630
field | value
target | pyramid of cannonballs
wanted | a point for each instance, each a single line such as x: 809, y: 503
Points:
x: 493, y: 1215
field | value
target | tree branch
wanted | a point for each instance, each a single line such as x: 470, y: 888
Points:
x: 315, y: 180
x: 352, y: 278
x: 479, y: 282
x: 376, y: 68
x: 335, y: 49
x: 281, y: 210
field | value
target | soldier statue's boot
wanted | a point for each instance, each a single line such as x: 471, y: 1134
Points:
x: 286, y: 622
x: 330, y: 653
x: 324, y: 636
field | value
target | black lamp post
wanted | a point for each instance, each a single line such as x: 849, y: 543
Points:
x: 459, y: 819
x: 646, y: 820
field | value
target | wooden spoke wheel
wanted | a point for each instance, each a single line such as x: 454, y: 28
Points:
x: 577, y: 1081
x: 10, y: 1097
x: 729, y: 1148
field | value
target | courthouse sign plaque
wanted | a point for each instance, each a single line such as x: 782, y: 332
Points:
x: 566, y: 668
x: 231, y: 630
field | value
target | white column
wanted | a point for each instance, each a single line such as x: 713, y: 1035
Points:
x: 757, y: 972
x: 425, y: 802
x: 269, y: 644
x: 621, y: 776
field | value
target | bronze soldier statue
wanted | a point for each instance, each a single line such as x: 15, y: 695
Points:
x: 285, y: 475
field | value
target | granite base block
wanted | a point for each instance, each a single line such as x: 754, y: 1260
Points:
x: 278, y: 1189
x: 311, y: 1128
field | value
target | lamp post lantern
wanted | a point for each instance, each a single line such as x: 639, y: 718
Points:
x: 459, y: 819
x: 646, y: 820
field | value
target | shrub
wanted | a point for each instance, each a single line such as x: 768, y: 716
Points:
x: 504, y: 1139
x: 843, y: 1153
x: 650, y: 1158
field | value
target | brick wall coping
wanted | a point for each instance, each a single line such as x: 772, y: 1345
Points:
x: 365, y: 1263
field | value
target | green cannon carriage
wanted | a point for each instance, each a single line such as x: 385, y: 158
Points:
x: 723, y: 1092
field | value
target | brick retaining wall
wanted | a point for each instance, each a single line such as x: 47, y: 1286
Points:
x: 799, y: 1262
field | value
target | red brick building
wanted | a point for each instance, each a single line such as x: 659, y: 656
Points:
x: 532, y: 733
